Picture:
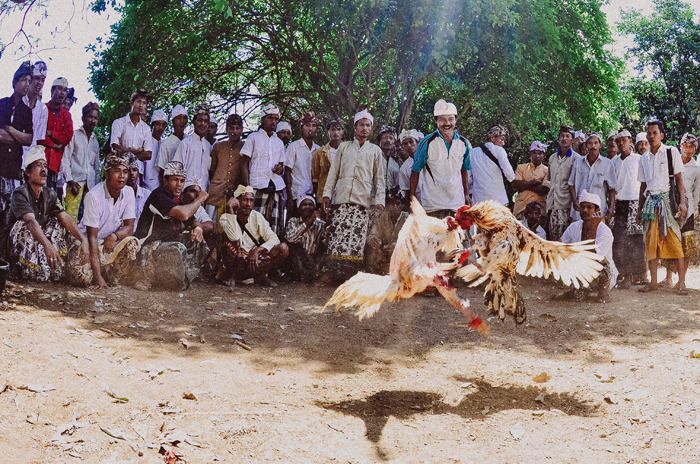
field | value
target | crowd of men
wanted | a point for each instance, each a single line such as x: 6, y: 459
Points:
x: 170, y: 209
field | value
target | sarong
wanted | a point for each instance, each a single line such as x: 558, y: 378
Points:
x: 271, y: 206
x: 628, y: 246
x: 115, y: 266
x: 347, y: 236
x: 75, y: 203
x: 688, y: 244
x: 303, y: 267
x: 559, y: 220
x: 7, y: 186
x: 662, y: 233
x: 171, y: 265
x: 30, y: 256
x: 235, y: 261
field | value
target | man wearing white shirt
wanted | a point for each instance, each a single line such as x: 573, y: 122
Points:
x: 141, y: 194
x: 40, y: 112
x: 489, y: 166
x: 386, y: 139
x: 284, y: 132
x: 151, y: 177
x: 594, y: 174
x: 263, y: 158
x: 131, y: 134
x: 409, y: 143
x: 195, y: 150
x: 299, y: 156
x: 80, y: 165
x: 168, y: 147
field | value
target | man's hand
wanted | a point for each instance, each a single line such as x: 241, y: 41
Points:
x: 232, y: 206
x: 52, y: 257
x: 197, y: 234
x: 98, y: 283
x: 639, y: 216
x: 73, y: 187
x: 326, y: 205
x: 378, y: 208
x: 84, y: 252
x: 278, y: 169
x: 290, y: 205
x: 389, y: 249
x: 109, y: 243
x: 577, y: 207
x: 467, y: 200
x: 374, y: 242
x: 682, y: 209
x: 253, y: 259
x: 609, y: 215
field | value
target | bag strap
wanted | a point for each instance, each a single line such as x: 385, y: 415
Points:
x: 245, y: 229
x: 670, y: 162
x: 488, y: 153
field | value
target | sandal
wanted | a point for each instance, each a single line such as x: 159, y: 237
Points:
x: 649, y: 288
x: 682, y: 291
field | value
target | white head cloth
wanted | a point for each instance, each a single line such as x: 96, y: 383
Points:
x: 305, y: 197
x: 40, y: 69
x: 62, y: 81
x: 538, y: 146
x: 270, y: 108
x: 641, y: 137
x: 364, y: 114
x: 242, y: 190
x: 179, y: 110
x: 586, y: 197
x: 624, y: 133
x: 283, y: 125
x: 444, y: 108
x: 412, y: 133
x: 613, y: 134
x: 35, y: 153
x: 159, y: 115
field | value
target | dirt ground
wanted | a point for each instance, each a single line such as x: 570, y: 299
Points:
x: 411, y: 385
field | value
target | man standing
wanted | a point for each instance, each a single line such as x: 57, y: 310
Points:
x: 444, y: 155
x: 59, y: 132
x: 70, y: 99
x: 284, y: 132
x: 151, y: 178
x: 16, y: 131
x: 212, y: 129
x: 80, y: 166
x: 409, y: 143
x: 387, y: 142
x: 195, y: 150
x: 298, y: 161
x: 559, y: 197
x: 262, y: 167
x: 661, y: 230
x: 531, y: 180
x: 131, y: 134
x: 168, y: 147
x: 490, y: 168
x: 324, y: 156
x: 40, y: 113
x: 641, y: 143
x: 628, y: 247
x: 356, y: 183
x: 225, y: 169
x: 594, y: 174
x: 611, y: 146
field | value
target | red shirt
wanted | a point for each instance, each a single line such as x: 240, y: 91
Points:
x: 61, y: 127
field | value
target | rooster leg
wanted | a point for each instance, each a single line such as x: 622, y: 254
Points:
x: 442, y: 283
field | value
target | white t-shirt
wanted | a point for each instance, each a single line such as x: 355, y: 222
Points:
x: 195, y: 155
x: 166, y: 151
x: 106, y: 214
x: 299, y: 159
x: 264, y: 153
x: 150, y: 173
x: 125, y: 133
x: 627, y: 187
x: 81, y: 159
x: 603, y: 241
x: 485, y: 175
x: 142, y: 195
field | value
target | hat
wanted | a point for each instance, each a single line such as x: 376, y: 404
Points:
x: 159, y: 115
x: 283, y: 125
x: 270, y: 108
x: 305, y: 197
x: 179, y: 110
x: 592, y: 133
x: 586, y: 197
x: 91, y: 106
x: 538, y: 146
x: 40, y: 69
x: 497, y: 131
x: 35, y: 153
x: 412, y: 133
x: 234, y: 120
x: 689, y: 138
x: 580, y: 135
x: 335, y: 122
x: 364, y: 114
x: 308, y: 118
x: 114, y: 160
x: 384, y: 129
x: 62, y: 81
x: 613, y: 134
x: 174, y: 168
x: 201, y: 109
x: 624, y: 133
x: 641, y: 137
x: 444, y: 108
x: 242, y: 190
x: 569, y: 129
x: 25, y: 69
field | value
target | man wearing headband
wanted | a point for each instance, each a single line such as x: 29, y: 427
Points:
x: 611, y: 145
x: 691, y: 182
x: 173, y: 247
x: 594, y: 174
x: 284, y: 132
x: 168, y: 147
x: 80, y: 166
x: 299, y: 157
x: 151, y: 174
x: 409, y: 143
x: 641, y: 144
x: 324, y: 156
x: 251, y: 248
x: 559, y: 197
x: 356, y: 185
x: 16, y: 131
x: 662, y: 231
x: 131, y: 134
x: 442, y: 163
x: 262, y: 166
x: 35, y: 238
x: 212, y: 129
x: 225, y: 170
x: 306, y: 238
x: 108, y: 222
x: 40, y: 113
x: 490, y: 168
x: 384, y: 233
x: 592, y: 227
x: 531, y: 180
x: 195, y: 150
x: 387, y: 142
x: 59, y: 132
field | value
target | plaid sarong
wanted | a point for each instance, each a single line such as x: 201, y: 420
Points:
x: 271, y: 206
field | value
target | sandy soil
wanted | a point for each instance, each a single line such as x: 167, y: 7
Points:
x: 410, y: 385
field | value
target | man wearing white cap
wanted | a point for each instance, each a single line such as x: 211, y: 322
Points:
x: 409, y: 143
x: 141, y: 193
x: 151, y: 175
x: 298, y: 159
x: 80, y: 166
x: 195, y: 150
x: 442, y: 158
x: 611, y: 145
x: 592, y: 227
x: 262, y: 166
x: 40, y: 113
x: 131, y: 134
x: 284, y: 132
x: 531, y: 180
x: 212, y: 129
x: 641, y: 144
x: 168, y: 147
x: 306, y: 238
x: 490, y: 168
x: 356, y: 178
x: 35, y: 238
x: 59, y: 132
x: 594, y: 174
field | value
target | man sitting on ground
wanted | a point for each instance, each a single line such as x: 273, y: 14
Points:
x: 306, y: 237
x: 35, y: 237
x: 532, y: 220
x: 201, y: 217
x: 250, y: 249
x: 173, y: 247
x: 384, y: 232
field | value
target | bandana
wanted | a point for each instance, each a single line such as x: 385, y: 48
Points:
x: 308, y: 118
x: 364, y: 114
x: 444, y: 108
x: 565, y: 129
x: 234, y: 120
x: 35, y: 153
x: 62, y: 81
x: 538, y: 146
x: 91, y: 106
x: 174, y: 168
x: 40, y: 69
x: 25, y: 69
x: 305, y: 197
x: 270, y: 108
x: 283, y: 125
x: 159, y: 115
x: 242, y: 190
x: 134, y: 161
x: 590, y: 134
x: 413, y: 134
x: 497, y: 131
x: 689, y: 138
x: 613, y: 134
x: 201, y: 109
x: 624, y: 133
x: 384, y: 129
x: 641, y: 137
x: 113, y: 160
x: 586, y: 197
x: 580, y: 135
x: 179, y: 110
x: 335, y: 122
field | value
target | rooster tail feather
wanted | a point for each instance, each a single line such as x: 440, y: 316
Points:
x: 366, y: 291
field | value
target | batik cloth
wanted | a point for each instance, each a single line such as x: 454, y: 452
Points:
x: 271, y: 206
x: 115, y: 266
x: 7, y: 186
x: 235, y: 260
x: 628, y: 247
x: 171, y: 265
x: 30, y: 255
x: 75, y: 204
x: 559, y: 220
x: 347, y: 233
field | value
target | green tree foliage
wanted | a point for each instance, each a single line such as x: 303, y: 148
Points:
x: 667, y: 47
x: 530, y: 65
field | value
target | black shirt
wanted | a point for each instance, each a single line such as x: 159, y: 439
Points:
x: 18, y: 116
x: 25, y: 201
x: 165, y: 228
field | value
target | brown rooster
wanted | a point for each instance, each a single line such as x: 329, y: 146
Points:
x: 413, y: 268
x: 505, y: 247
